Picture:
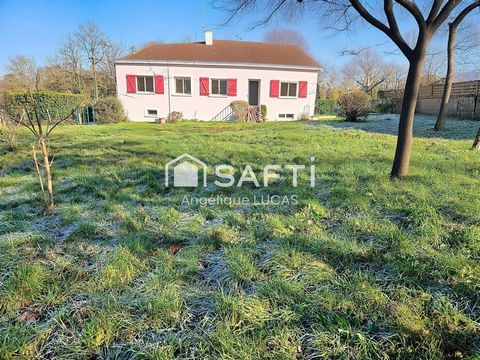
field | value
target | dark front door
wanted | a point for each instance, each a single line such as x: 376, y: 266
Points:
x: 253, y: 92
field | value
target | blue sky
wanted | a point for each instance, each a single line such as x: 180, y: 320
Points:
x: 37, y: 27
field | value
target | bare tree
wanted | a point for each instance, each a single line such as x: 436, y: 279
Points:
x: 94, y: 45
x: 23, y: 73
x: 37, y: 120
x: 286, y: 36
x: 69, y: 59
x: 366, y: 69
x: 428, y: 16
x: 394, y: 76
x: 452, y: 32
x: 113, y: 52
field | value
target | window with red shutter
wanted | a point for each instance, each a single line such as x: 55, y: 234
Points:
x: 204, y: 86
x: 232, y: 87
x: 131, y: 84
x: 302, y: 89
x: 274, y: 86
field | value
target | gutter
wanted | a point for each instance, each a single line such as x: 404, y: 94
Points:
x: 217, y: 64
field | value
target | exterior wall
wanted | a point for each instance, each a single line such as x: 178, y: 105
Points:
x: 199, y: 107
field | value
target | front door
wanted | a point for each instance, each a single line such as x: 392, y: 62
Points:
x: 253, y: 95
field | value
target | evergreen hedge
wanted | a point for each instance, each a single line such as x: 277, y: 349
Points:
x: 59, y: 105
x: 326, y: 107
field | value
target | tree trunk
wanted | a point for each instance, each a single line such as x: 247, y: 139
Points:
x: 403, y: 151
x: 95, y: 85
x: 476, y: 143
x: 48, y: 173
x: 39, y: 176
x: 448, y: 79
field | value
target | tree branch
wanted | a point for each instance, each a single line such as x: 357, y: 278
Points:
x: 392, y: 22
x: 444, y: 13
x: 464, y: 13
x: 391, y: 33
x: 434, y: 11
x: 416, y: 13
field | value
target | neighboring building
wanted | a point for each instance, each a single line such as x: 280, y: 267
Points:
x: 202, y: 79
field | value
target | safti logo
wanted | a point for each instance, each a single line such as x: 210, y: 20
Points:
x: 188, y: 171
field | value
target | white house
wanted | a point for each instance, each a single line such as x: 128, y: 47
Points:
x: 202, y: 79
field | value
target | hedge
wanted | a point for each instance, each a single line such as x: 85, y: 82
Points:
x: 59, y: 105
x: 326, y: 107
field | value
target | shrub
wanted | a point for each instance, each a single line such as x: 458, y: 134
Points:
x: 9, y: 135
x: 109, y: 110
x: 263, y: 113
x: 326, y: 107
x: 240, y: 110
x: 59, y: 105
x: 389, y: 105
x: 354, y: 105
x: 174, y: 116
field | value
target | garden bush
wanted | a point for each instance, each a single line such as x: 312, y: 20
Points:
x: 263, y: 113
x: 59, y: 105
x: 109, y: 110
x: 174, y: 116
x: 354, y: 105
x: 240, y: 110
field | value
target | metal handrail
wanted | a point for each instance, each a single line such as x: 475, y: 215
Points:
x: 224, y: 114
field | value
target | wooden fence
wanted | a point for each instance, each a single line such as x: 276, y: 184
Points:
x: 464, y: 99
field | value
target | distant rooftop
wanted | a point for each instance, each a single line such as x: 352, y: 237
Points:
x: 226, y: 51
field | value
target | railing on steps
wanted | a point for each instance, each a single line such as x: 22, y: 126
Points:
x: 253, y: 114
x: 224, y: 115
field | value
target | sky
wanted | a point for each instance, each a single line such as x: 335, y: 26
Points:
x: 37, y: 27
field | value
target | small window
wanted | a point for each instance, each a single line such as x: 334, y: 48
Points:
x: 286, y: 116
x: 288, y: 89
x: 145, y: 83
x: 183, y: 85
x: 152, y: 113
x: 219, y: 87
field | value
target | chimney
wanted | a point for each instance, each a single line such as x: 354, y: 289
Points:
x: 208, y: 38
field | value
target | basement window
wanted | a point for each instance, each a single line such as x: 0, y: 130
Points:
x: 151, y: 113
x: 145, y: 84
x: 286, y: 116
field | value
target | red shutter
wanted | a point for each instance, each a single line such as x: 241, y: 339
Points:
x: 302, y: 89
x: 159, y: 85
x: 131, y: 84
x: 232, y: 87
x: 204, y: 86
x: 274, y: 88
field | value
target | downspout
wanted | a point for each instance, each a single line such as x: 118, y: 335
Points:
x: 168, y: 89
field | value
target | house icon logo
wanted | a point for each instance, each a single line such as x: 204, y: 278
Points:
x: 186, y: 171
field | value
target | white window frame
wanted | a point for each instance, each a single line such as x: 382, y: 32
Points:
x: 287, y: 96
x: 151, y: 116
x: 175, y: 84
x: 211, y: 87
x: 145, y: 83
x: 286, y: 118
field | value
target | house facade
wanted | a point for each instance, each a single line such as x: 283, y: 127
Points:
x: 202, y: 79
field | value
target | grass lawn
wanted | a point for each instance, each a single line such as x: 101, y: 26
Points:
x: 361, y: 268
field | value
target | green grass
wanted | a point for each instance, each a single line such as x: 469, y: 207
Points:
x: 361, y: 268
